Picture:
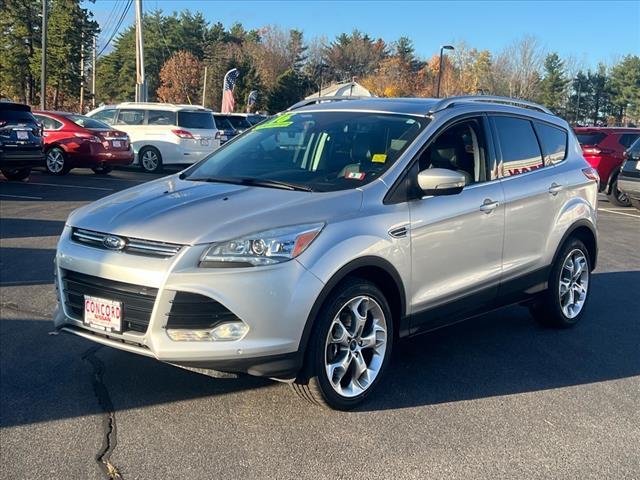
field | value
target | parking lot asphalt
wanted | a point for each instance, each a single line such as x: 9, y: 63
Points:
x: 495, y: 397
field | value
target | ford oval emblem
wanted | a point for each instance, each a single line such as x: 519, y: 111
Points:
x: 114, y: 243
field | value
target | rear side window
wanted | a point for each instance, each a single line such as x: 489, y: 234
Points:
x: 518, y: 146
x: 130, y: 117
x: 106, y: 116
x: 202, y: 120
x: 161, y: 117
x: 627, y: 139
x: 593, y: 138
x: 553, y: 141
x: 48, y: 123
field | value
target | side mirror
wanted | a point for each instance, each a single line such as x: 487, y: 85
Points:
x: 441, y: 181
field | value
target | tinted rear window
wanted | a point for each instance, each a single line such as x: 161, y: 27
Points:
x: 554, y: 143
x: 590, y: 138
x: 518, y: 144
x: 203, y: 120
x: 223, y: 123
x: 16, y: 115
x: 87, y: 122
x: 239, y: 122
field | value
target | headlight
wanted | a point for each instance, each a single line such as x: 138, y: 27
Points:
x: 262, y: 248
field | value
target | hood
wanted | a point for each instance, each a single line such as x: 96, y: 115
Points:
x: 186, y: 212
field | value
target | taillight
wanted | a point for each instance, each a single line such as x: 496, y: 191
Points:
x: 3, y: 123
x: 183, y: 134
x: 218, y: 135
x: 87, y: 136
x: 597, y: 151
x: 592, y: 174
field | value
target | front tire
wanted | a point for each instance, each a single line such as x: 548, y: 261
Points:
x: 616, y: 197
x: 56, y: 162
x: 563, y: 303
x: 17, y: 174
x: 349, y: 348
x: 150, y: 160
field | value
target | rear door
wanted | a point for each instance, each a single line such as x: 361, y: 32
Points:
x: 200, y: 124
x: 534, y: 194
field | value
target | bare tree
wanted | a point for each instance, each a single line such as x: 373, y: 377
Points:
x: 518, y: 68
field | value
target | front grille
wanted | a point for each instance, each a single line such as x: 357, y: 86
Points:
x: 134, y: 246
x: 137, y: 301
x: 194, y: 311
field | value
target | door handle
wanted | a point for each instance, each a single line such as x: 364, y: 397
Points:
x: 488, y: 206
x: 554, y: 189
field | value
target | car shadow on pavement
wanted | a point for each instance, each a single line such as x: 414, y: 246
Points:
x: 46, y: 377
x: 29, y: 228
x: 26, y: 266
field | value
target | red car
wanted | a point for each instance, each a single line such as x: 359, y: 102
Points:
x: 603, y: 148
x: 76, y: 141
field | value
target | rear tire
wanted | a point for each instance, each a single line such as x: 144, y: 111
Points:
x: 616, y: 197
x: 102, y: 170
x: 349, y: 348
x: 563, y: 303
x: 17, y: 174
x: 56, y: 162
x: 150, y: 160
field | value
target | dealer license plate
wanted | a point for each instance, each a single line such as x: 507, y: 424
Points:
x: 22, y: 135
x: 117, y: 144
x: 204, y: 142
x: 103, y: 313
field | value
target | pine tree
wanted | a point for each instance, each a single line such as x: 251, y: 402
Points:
x: 554, y: 83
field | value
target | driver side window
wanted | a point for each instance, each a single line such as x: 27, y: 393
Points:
x: 462, y: 148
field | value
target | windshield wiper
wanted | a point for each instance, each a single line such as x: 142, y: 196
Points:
x: 253, y: 182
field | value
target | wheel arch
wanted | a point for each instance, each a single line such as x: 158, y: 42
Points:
x: 374, y: 269
x: 586, y: 233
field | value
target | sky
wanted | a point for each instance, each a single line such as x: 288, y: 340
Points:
x: 590, y: 31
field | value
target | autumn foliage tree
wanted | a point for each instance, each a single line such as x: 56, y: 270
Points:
x: 180, y: 79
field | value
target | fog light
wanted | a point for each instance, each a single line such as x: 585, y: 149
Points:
x: 222, y: 333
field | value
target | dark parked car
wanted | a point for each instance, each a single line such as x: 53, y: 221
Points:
x: 603, y: 148
x: 20, y: 141
x: 76, y: 141
x: 629, y: 178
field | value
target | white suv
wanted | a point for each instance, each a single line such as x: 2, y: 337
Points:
x: 163, y: 133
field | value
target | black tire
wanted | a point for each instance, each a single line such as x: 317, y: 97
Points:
x: 17, y: 175
x: 102, y: 170
x: 313, y: 384
x: 56, y: 162
x: 616, y: 197
x: 548, y: 309
x: 146, y: 164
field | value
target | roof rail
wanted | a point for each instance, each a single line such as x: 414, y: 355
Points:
x: 451, y: 101
x: 311, y: 101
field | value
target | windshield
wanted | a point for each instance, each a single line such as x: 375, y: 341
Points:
x: 223, y: 123
x: 321, y: 151
x: 239, y: 123
x: 196, y: 120
x: 87, y: 122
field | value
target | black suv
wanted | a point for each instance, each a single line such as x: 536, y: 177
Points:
x: 629, y: 178
x: 21, y: 146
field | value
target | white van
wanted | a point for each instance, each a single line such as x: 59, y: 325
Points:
x: 164, y: 133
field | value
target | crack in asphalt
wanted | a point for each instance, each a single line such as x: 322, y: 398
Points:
x: 109, y: 440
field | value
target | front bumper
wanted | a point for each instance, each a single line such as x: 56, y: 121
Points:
x: 274, y: 301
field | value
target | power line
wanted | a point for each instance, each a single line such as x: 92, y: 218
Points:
x: 110, y: 18
x: 122, y: 17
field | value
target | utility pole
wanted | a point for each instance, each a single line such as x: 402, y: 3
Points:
x: 81, y: 73
x: 43, y: 67
x: 204, y: 86
x: 93, y: 75
x: 141, y: 84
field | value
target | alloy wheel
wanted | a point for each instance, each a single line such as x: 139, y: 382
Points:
x: 574, y: 283
x: 355, y: 346
x: 150, y: 160
x: 55, y: 161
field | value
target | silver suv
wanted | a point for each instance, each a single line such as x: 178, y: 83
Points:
x: 305, y: 248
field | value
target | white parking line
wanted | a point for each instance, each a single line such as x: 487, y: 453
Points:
x: 20, y: 196
x: 68, y: 186
x: 619, y: 213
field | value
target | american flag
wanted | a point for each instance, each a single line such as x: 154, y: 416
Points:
x: 228, y: 102
x: 251, y: 101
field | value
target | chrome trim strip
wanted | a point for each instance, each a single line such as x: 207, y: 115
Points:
x: 133, y: 245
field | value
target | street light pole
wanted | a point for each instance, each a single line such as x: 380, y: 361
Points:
x: 441, y: 66
x: 43, y: 67
x: 141, y: 84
